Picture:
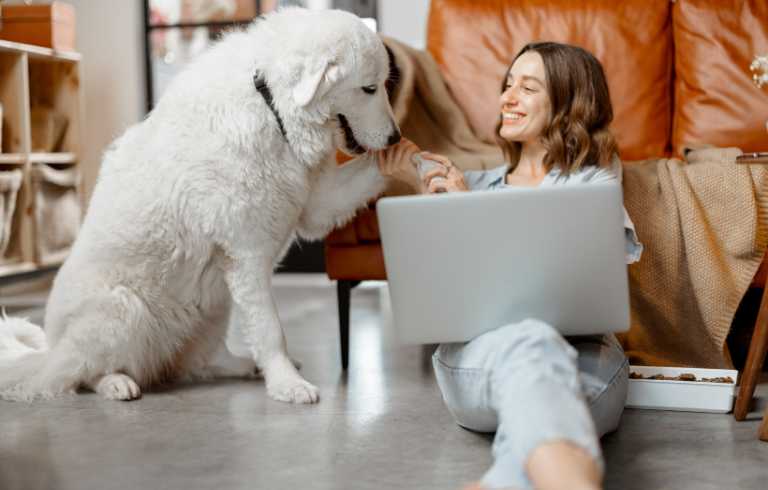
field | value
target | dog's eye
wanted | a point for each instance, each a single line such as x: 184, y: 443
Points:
x: 369, y: 89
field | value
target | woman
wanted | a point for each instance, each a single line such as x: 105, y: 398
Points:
x: 548, y: 399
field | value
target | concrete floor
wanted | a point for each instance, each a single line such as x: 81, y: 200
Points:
x: 381, y: 425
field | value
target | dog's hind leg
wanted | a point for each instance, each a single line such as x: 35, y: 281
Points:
x: 207, y: 355
x: 210, y: 358
x: 116, y: 386
x: 223, y: 364
x: 120, y: 344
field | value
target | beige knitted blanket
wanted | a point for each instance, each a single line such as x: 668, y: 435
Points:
x: 703, y: 222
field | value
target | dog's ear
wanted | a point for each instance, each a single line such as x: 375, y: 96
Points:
x: 315, y: 81
x: 393, y: 79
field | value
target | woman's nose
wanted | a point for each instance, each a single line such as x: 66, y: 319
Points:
x: 508, y: 98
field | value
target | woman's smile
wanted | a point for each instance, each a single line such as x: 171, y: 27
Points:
x: 512, y: 117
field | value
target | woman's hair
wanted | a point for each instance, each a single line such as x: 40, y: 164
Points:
x: 577, y: 133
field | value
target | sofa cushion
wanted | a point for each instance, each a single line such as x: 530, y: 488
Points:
x: 717, y: 103
x: 474, y: 41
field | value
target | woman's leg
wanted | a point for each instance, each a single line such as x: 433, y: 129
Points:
x: 603, y: 371
x: 523, y: 381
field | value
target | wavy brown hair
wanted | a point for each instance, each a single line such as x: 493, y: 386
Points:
x: 577, y: 134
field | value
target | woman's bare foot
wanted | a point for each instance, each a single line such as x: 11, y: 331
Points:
x: 576, y: 468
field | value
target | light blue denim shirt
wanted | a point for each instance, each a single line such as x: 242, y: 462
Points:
x: 495, y: 179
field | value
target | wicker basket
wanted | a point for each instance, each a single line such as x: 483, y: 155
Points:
x: 57, y: 211
x: 10, y: 183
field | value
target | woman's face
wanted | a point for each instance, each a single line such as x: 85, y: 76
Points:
x: 525, y: 105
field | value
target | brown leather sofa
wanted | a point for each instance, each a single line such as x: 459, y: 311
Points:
x: 678, y: 74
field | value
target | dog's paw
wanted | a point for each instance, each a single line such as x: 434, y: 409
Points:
x: 293, y: 391
x: 118, y: 387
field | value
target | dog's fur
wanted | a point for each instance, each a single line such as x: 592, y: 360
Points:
x: 195, y: 205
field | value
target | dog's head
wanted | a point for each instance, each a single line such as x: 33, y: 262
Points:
x: 340, y: 77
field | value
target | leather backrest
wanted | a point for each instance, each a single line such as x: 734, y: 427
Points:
x: 716, y: 101
x: 473, y: 42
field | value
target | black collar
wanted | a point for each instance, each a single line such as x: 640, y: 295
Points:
x: 261, y: 86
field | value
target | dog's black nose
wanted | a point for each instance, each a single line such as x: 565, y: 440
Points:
x: 394, y: 138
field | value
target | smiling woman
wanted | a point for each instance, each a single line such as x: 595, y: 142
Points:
x: 554, y: 113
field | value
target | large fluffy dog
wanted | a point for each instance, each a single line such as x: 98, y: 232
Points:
x: 195, y: 205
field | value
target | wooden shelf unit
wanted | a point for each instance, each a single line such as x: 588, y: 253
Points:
x: 33, y: 76
x: 59, y: 158
x: 12, y: 159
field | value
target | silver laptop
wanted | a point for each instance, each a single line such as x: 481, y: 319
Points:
x: 461, y: 264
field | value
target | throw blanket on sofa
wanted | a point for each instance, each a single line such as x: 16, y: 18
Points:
x: 703, y: 222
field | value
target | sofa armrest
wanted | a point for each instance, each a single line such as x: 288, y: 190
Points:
x: 362, y: 229
x: 353, y: 252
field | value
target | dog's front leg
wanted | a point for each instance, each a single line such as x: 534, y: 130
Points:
x: 337, y: 193
x: 249, y: 280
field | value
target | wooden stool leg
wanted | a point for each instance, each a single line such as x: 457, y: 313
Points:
x: 764, y: 426
x: 757, y: 349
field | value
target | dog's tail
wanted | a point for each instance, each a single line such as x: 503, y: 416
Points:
x: 28, y: 369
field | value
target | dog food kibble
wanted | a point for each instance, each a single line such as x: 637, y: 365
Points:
x: 725, y: 379
x: 682, y: 377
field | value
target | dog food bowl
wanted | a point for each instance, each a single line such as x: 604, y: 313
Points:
x: 686, y: 396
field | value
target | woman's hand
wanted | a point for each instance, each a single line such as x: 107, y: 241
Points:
x: 397, y: 162
x: 449, y: 177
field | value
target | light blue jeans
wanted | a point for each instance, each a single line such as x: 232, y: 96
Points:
x: 530, y: 385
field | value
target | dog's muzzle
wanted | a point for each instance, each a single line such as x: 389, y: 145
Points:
x: 349, y: 136
x: 394, y: 138
x: 351, y: 142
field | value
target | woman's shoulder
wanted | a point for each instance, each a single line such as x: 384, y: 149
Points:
x: 592, y: 174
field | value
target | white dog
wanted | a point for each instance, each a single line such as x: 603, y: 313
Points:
x: 195, y: 206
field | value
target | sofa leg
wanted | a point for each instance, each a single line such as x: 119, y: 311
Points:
x: 755, y: 358
x: 343, y: 293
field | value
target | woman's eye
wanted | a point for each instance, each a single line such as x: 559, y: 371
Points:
x: 369, y: 89
x: 529, y: 89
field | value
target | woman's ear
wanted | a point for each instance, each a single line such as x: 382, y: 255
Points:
x: 315, y: 81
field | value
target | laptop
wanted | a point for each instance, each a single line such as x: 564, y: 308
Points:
x: 461, y: 264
